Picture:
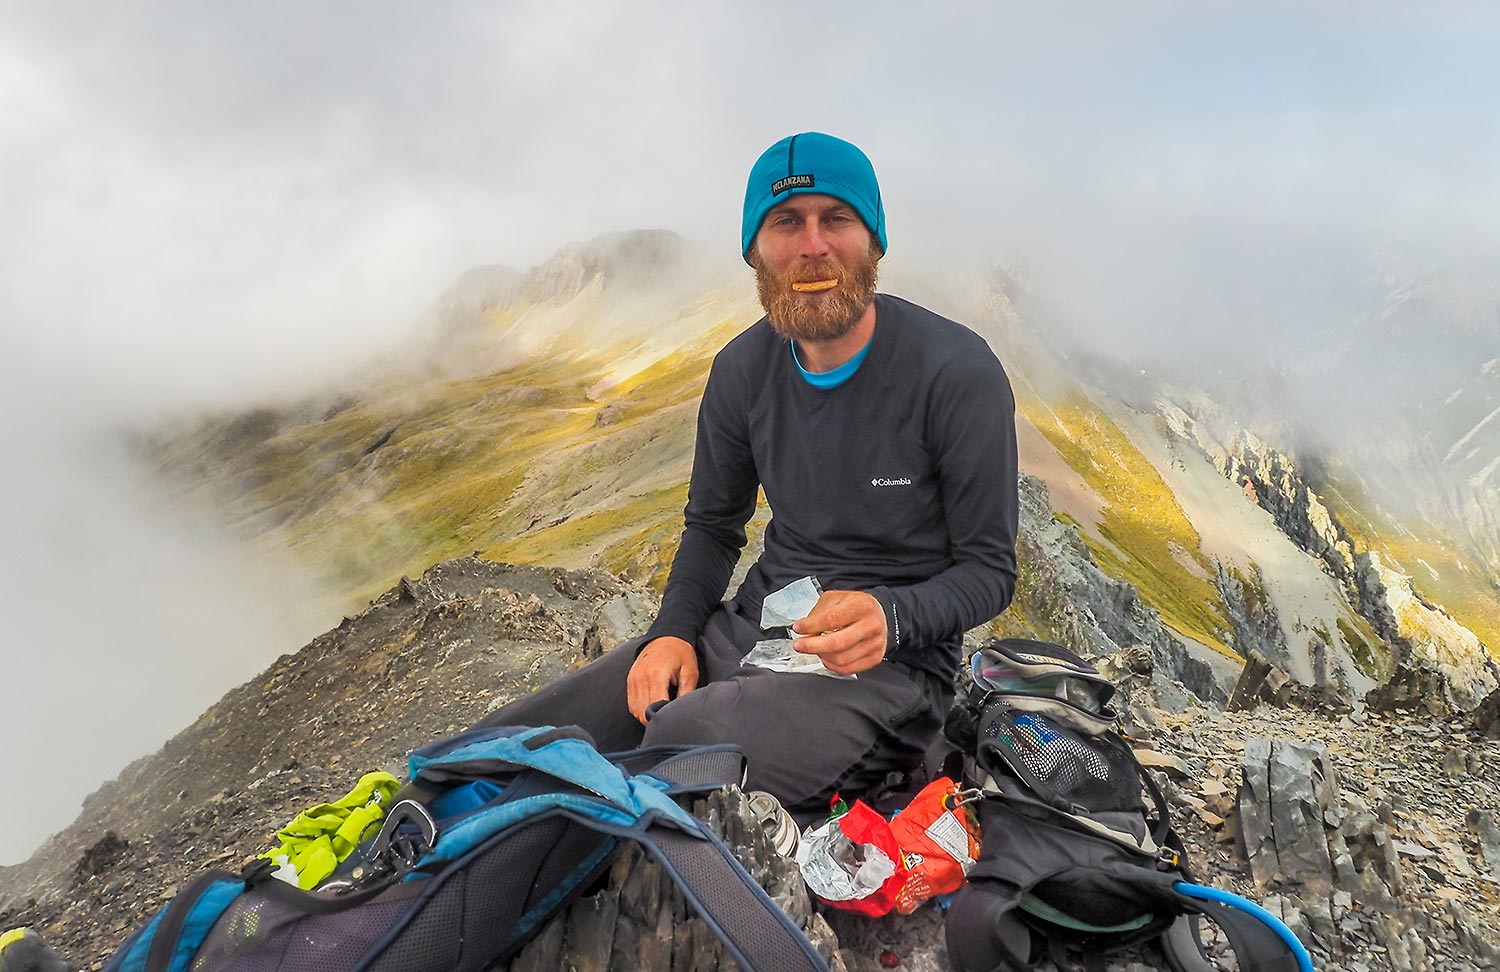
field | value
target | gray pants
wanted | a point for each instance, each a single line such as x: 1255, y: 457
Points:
x: 805, y: 737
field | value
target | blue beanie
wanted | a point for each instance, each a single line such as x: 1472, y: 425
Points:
x: 812, y: 162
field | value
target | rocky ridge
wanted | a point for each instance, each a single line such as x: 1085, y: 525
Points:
x: 432, y: 655
x: 1435, y: 661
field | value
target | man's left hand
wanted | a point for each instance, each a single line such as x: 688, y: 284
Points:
x: 846, y: 629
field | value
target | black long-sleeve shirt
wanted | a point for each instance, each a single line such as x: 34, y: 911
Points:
x: 900, y: 482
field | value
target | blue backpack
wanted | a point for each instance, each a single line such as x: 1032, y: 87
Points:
x: 497, y: 830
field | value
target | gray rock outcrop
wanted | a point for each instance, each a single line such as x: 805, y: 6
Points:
x: 1333, y: 869
x: 1432, y: 660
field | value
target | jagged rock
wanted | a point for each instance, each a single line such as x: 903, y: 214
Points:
x: 1456, y: 762
x: 618, y: 619
x: 1154, y: 759
x: 101, y: 856
x: 1257, y: 628
x: 1482, y: 950
x: 1365, y: 856
x: 1258, y: 680
x: 1287, y: 792
x: 1408, y: 951
x: 1487, y: 832
x: 1440, y: 665
x: 1486, y: 717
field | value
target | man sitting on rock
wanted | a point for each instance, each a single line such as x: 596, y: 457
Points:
x: 884, y: 437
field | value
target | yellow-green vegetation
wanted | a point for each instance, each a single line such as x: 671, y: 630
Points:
x: 1439, y: 570
x: 1142, y: 520
x: 624, y: 538
x: 522, y: 465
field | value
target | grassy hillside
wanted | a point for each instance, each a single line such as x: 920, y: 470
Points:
x: 1143, y: 535
x: 554, y: 460
x: 568, y: 441
x: 524, y: 465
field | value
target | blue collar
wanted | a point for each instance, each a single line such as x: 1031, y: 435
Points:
x: 836, y: 377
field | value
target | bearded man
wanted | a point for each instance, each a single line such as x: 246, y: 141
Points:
x: 884, y: 437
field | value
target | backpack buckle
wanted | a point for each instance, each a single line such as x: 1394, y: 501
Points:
x: 259, y: 870
x: 1168, y: 859
x: 399, y: 851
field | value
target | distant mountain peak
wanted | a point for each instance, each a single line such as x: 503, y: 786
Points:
x: 632, y: 258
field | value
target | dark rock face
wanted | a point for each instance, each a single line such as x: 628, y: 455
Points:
x: 1423, y: 658
x: 1486, y: 717
x: 109, y: 851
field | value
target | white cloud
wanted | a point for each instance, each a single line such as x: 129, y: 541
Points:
x: 204, y: 205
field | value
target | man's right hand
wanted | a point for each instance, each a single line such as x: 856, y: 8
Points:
x: 664, y: 663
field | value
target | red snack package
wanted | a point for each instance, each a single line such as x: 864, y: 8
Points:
x: 938, y: 844
x: 848, y: 848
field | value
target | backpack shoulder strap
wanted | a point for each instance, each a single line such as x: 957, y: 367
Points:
x: 629, y: 796
x: 983, y: 931
x: 754, y: 929
x: 1261, y: 942
x: 686, y: 769
x: 167, y: 943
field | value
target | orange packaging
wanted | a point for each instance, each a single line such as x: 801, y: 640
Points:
x: 863, y: 828
x: 939, y: 840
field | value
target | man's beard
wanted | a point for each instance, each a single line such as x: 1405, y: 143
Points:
x: 818, y: 316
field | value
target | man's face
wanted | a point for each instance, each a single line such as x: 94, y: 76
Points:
x: 815, y: 267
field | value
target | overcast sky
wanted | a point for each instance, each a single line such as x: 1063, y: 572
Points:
x: 205, y: 204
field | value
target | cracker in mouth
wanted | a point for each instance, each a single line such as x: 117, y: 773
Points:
x: 814, y: 286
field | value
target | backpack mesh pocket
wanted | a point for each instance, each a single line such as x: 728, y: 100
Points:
x: 1065, y: 767
x: 259, y: 933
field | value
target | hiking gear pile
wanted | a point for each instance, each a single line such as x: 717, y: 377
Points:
x: 319, y: 839
x: 22, y: 950
x: 497, y: 829
x: 1073, y: 855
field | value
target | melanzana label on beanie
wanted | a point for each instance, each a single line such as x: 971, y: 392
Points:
x: 791, y: 182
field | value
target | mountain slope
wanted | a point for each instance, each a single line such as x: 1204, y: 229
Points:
x: 554, y: 425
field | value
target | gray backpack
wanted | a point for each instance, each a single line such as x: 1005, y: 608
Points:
x: 1078, y: 854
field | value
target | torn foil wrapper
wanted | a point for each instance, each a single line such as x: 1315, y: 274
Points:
x: 783, y: 608
x: 778, y: 655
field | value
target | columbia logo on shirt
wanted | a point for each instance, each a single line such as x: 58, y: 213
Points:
x: 903, y: 481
